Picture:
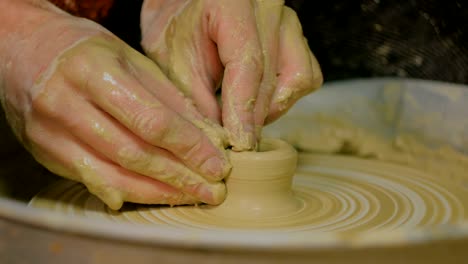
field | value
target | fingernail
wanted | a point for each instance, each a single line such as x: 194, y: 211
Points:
x: 214, y: 167
x: 112, y: 198
x: 244, y: 141
x: 214, y: 194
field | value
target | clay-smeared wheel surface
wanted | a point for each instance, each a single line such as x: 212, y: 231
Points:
x: 335, y: 193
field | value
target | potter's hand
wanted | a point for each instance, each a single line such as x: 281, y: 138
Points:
x: 255, y: 48
x: 92, y: 109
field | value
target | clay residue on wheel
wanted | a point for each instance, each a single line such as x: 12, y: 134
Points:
x: 335, y: 135
x: 352, y: 178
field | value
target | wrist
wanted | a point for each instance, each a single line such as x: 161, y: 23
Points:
x: 21, y: 21
x: 37, y: 33
x: 24, y: 15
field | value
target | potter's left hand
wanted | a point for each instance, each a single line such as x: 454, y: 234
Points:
x: 256, y: 49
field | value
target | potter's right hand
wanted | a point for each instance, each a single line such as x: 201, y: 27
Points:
x: 92, y: 109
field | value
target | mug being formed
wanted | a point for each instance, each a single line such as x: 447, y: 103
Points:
x: 259, y: 184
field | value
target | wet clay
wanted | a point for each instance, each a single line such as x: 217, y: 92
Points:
x: 332, y: 192
x: 334, y: 135
x: 260, y: 183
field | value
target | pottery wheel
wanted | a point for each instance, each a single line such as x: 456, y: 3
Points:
x: 327, y: 193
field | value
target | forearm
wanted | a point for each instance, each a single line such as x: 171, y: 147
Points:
x: 24, y: 15
x: 23, y: 24
x: 29, y: 27
x: 19, y: 20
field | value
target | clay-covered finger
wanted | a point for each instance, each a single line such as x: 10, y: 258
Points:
x: 111, y: 88
x: 187, y: 55
x: 115, y: 142
x: 112, y: 184
x: 119, y: 145
x: 167, y: 92
x: 299, y: 72
x: 240, y: 51
x: 268, y: 14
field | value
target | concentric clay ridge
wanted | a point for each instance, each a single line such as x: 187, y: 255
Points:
x: 328, y: 193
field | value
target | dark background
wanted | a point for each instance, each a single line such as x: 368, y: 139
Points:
x: 415, y: 38
x: 425, y: 39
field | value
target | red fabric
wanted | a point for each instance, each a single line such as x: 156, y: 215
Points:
x: 92, y: 9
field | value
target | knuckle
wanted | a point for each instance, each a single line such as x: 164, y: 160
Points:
x: 80, y: 59
x: 256, y: 62
x: 132, y: 158
x: 152, y: 125
x: 191, y: 150
x: 250, y: 60
x: 44, y: 103
x: 145, y: 163
x: 77, y: 63
x: 195, y: 188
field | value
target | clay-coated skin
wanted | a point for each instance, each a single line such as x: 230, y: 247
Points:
x: 92, y: 109
x: 259, y: 185
x: 254, y: 49
x: 332, y: 193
